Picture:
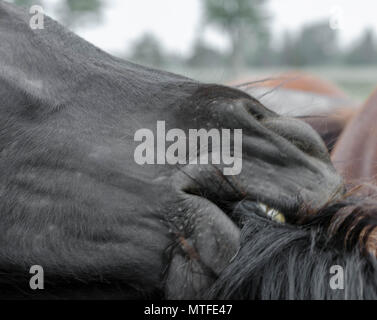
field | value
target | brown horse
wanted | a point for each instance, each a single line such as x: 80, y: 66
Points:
x: 355, y: 154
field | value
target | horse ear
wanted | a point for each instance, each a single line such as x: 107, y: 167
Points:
x: 330, y: 126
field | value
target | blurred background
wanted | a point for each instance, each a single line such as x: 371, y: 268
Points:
x: 231, y: 41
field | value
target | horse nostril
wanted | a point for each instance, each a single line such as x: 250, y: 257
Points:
x: 257, y: 109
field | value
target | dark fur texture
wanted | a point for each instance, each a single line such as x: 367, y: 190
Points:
x: 293, y: 261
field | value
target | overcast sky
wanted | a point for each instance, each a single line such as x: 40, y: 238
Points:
x: 175, y: 23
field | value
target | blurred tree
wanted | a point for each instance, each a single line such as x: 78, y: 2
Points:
x: 147, y: 50
x: 365, y: 51
x: 242, y: 20
x: 315, y: 44
x: 71, y: 12
x: 262, y: 53
x: 204, y: 56
x: 25, y: 3
x: 288, y: 54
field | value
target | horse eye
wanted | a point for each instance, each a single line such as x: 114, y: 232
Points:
x: 273, y: 214
x: 246, y: 209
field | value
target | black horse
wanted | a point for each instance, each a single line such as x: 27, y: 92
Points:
x: 74, y: 201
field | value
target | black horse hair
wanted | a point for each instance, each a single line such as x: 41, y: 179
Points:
x: 293, y: 261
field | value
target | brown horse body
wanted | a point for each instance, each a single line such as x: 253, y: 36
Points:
x: 355, y: 154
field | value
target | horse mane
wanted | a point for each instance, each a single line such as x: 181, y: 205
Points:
x: 293, y: 260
